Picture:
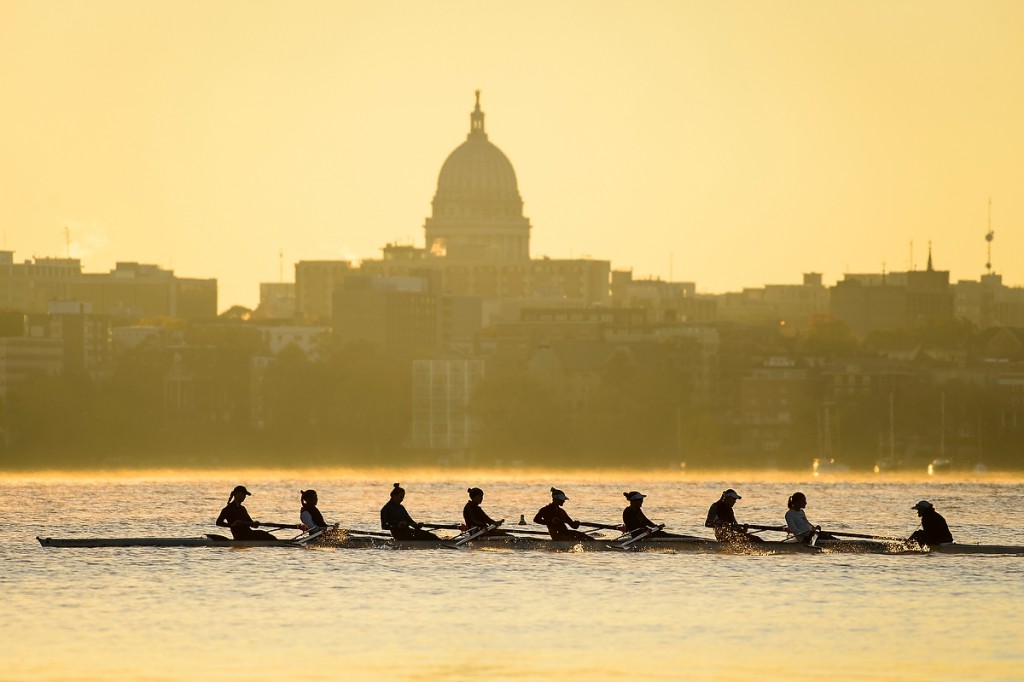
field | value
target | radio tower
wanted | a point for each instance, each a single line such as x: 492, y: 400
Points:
x: 989, y: 236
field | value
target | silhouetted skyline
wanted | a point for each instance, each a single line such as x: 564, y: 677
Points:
x: 729, y: 144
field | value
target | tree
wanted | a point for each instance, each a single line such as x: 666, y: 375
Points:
x: 829, y: 337
x: 519, y: 418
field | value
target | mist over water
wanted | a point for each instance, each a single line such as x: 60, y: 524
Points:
x: 270, y: 614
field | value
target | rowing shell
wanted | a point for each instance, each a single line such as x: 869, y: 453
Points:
x: 500, y: 543
x: 671, y: 545
x: 208, y: 540
x: 162, y: 542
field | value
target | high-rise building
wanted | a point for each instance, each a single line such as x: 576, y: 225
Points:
x: 441, y: 395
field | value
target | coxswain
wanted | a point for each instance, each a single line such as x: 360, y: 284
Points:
x: 476, y: 518
x: 796, y: 519
x: 556, y: 519
x: 236, y: 517
x: 722, y: 518
x: 310, y: 518
x: 395, y: 518
x: 934, y: 530
x: 635, y: 522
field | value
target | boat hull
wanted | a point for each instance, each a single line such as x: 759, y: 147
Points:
x: 351, y: 541
x: 162, y: 542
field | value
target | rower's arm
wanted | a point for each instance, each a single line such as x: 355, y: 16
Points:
x: 224, y: 522
x: 408, y: 519
x: 568, y: 519
x: 712, y: 520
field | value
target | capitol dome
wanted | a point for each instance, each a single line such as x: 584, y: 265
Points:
x: 477, y: 210
x: 477, y: 170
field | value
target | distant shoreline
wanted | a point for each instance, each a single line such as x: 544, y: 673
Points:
x: 436, y: 473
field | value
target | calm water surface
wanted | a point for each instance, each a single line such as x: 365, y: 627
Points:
x: 257, y: 614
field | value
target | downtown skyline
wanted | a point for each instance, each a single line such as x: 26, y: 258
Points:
x: 729, y: 145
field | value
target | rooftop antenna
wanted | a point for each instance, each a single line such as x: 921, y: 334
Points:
x: 989, y: 236
x: 929, y: 255
x: 67, y: 240
x: 911, y: 267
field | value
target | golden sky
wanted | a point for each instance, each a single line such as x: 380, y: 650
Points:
x: 728, y: 143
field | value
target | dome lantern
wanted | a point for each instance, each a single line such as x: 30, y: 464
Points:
x: 476, y: 121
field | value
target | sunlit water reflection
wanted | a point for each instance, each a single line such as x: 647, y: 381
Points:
x: 270, y: 614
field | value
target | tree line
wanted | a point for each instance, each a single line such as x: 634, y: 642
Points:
x: 206, y: 403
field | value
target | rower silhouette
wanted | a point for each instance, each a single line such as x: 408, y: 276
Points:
x: 236, y: 517
x: 395, y: 518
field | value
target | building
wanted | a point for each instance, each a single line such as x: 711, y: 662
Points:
x: 895, y: 300
x: 31, y: 285
x: 628, y: 292
x: 85, y: 336
x: 315, y: 284
x: 798, y: 304
x: 24, y: 357
x: 876, y: 378
x: 477, y: 211
x: 773, y: 398
x: 442, y: 390
x: 478, y: 239
x: 277, y: 301
x: 398, y: 314
x: 791, y: 306
x: 477, y: 246
x: 130, y: 290
x: 140, y: 290
x: 988, y: 302
x: 310, y: 340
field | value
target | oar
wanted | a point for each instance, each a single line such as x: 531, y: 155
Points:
x: 371, y: 533
x: 517, y: 531
x: 309, y: 535
x: 638, y: 534
x: 781, y: 529
x: 862, y: 536
x: 471, y: 534
x: 276, y: 526
x: 601, y: 526
x: 444, y: 526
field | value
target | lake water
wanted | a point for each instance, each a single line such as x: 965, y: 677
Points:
x: 162, y: 614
